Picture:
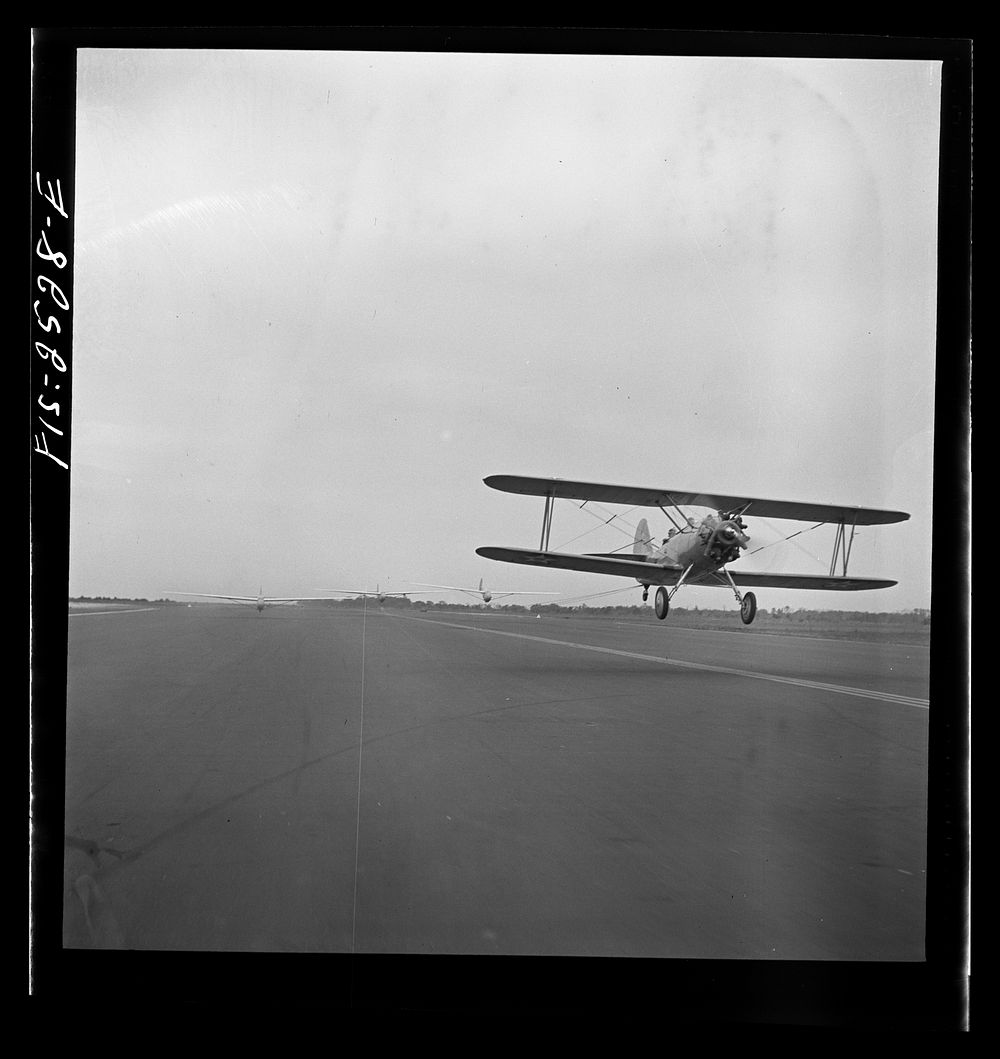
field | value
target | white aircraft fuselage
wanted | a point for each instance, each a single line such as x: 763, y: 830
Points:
x: 704, y: 546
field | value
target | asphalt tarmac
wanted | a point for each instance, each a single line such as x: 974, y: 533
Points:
x: 379, y: 781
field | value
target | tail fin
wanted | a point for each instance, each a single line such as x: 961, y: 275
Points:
x: 480, y: 584
x: 643, y: 541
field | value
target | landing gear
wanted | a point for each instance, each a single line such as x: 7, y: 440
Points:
x: 661, y: 602
x: 748, y: 602
x: 645, y: 593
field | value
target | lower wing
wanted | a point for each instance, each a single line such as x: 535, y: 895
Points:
x: 654, y: 573
x: 809, y: 581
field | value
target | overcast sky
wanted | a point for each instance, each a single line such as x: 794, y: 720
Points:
x: 320, y: 296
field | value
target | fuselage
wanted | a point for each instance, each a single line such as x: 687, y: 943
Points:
x: 703, y: 546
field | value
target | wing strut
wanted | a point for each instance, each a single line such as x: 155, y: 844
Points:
x: 546, y: 524
x: 842, y: 547
x: 673, y: 504
x: 669, y: 516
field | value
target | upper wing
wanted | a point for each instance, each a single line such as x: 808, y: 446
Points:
x: 643, y: 497
x: 654, y: 573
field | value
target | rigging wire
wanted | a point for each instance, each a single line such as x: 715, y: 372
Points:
x: 789, y: 538
x: 604, y: 522
x: 593, y: 595
x: 617, y: 518
x: 630, y: 532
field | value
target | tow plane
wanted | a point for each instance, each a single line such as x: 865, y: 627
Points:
x: 485, y: 594
x: 260, y: 601
x: 695, y: 551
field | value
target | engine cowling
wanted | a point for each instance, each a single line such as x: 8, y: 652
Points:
x: 727, y: 541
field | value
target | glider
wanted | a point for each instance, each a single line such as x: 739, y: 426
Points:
x: 377, y: 594
x: 484, y: 593
x: 260, y: 601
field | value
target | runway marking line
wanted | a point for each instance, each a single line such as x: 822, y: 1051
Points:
x: 840, y: 689
x: 361, y: 744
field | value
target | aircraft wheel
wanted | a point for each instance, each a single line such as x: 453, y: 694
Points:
x: 748, y: 608
x: 661, y: 603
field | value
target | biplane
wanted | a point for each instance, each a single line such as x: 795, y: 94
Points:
x: 260, y: 601
x: 696, y: 551
x: 485, y: 594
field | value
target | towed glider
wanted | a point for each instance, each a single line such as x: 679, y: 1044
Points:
x: 696, y: 552
x: 260, y: 601
x: 484, y: 593
x: 377, y: 594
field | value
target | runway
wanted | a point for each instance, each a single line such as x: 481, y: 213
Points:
x: 348, y: 781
